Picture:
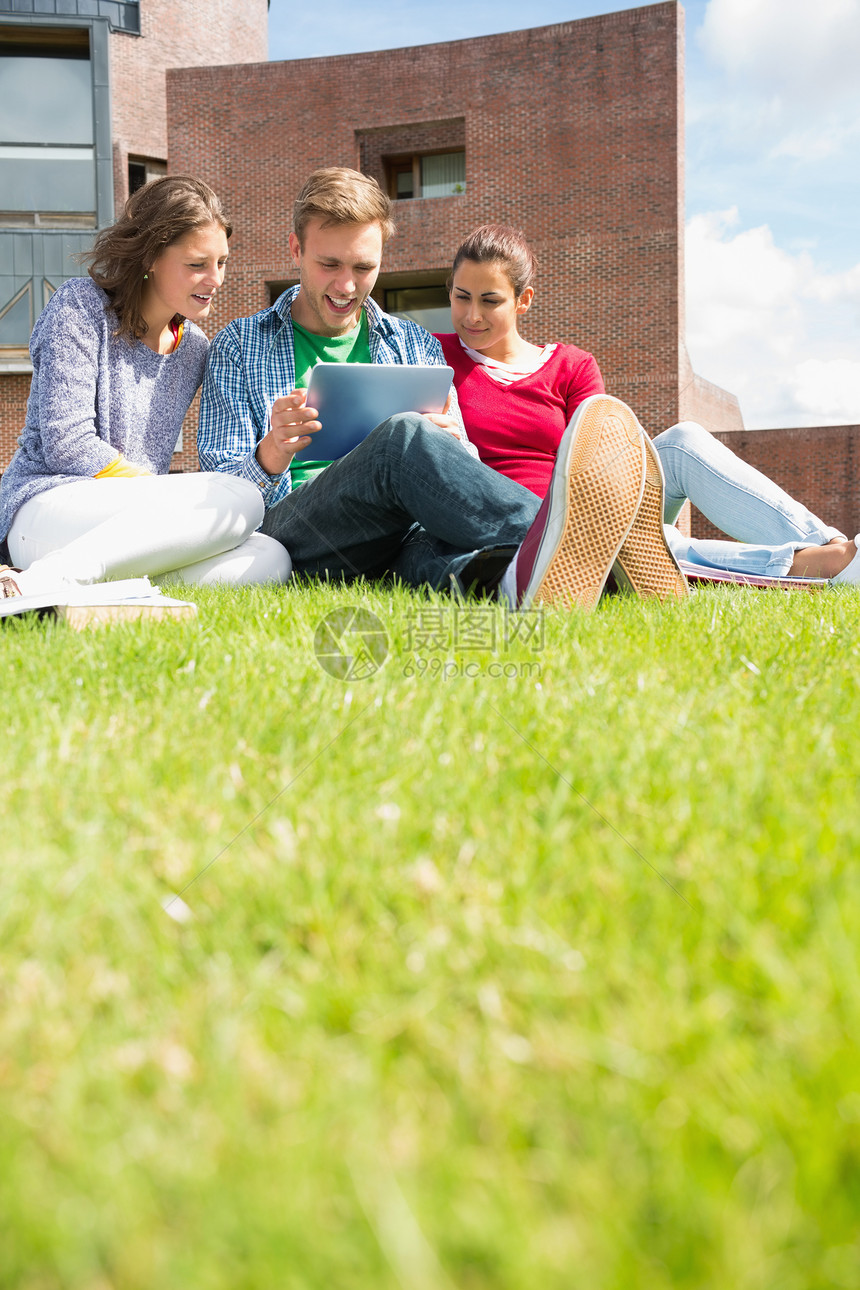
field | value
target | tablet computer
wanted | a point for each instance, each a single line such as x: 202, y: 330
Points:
x: 352, y: 398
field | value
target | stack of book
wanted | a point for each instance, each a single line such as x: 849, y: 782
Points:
x: 129, y: 600
x: 696, y: 573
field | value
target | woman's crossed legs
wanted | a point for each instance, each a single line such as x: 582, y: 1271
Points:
x: 196, y: 528
x: 775, y: 534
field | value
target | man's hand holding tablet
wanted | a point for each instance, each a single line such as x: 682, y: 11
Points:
x: 291, y: 427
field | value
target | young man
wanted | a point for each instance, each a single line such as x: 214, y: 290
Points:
x: 412, y: 500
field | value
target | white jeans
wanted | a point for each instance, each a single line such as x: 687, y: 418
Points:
x: 738, y: 499
x: 182, y: 528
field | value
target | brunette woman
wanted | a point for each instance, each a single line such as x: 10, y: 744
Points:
x: 117, y: 359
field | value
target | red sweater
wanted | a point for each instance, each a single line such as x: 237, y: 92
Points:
x: 517, y: 428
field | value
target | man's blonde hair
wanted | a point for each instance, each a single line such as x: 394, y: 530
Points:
x: 338, y: 195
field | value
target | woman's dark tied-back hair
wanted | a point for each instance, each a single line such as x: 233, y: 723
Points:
x: 156, y: 216
x: 499, y: 244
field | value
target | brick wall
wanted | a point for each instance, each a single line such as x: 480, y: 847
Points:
x: 14, y: 389
x: 820, y: 466
x: 573, y: 131
x: 173, y: 35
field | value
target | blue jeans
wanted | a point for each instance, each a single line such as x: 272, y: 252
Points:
x: 738, y: 499
x: 409, y: 501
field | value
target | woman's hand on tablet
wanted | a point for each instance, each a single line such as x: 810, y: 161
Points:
x: 444, y: 421
x: 291, y: 426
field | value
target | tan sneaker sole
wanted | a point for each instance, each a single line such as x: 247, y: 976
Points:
x: 595, y: 493
x: 645, y: 562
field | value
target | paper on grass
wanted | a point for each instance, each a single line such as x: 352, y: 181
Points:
x: 702, y: 573
x: 125, y: 599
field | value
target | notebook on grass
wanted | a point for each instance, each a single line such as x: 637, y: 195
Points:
x: 128, y: 600
x: 700, y: 573
x: 352, y: 398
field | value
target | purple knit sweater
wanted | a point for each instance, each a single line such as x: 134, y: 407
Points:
x: 94, y: 396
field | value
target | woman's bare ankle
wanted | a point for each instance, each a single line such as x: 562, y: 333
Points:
x: 823, y: 561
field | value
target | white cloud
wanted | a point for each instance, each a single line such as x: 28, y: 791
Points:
x: 771, y: 325
x: 774, y: 128
x: 785, y: 45
x: 825, y: 388
x: 783, y: 79
x: 825, y: 138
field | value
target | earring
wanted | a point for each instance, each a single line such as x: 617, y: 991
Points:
x: 146, y: 277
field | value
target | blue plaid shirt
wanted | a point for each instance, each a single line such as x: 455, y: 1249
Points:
x: 252, y: 362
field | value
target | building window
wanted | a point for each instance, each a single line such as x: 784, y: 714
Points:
x: 429, y: 306
x: 276, y: 289
x: 56, y: 175
x: 424, y: 302
x: 47, y: 139
x: 439, y: 174
x: 143, y: 169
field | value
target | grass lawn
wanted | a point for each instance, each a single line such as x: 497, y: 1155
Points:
x: 506, y: 963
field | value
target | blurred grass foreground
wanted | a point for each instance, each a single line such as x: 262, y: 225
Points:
x: 351, y: 938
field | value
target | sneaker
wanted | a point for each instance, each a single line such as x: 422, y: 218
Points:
x: 593, y: 498
x: 645, y: 562
x: 8, y: 585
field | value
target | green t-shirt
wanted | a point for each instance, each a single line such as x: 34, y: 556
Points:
x: 354, y: 347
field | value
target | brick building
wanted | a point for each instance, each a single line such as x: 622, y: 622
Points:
x: 83, y: 114
x: 573, y: 131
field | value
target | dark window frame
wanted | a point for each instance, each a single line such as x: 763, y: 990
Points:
x: 143, y: 169
x: 398, y: 163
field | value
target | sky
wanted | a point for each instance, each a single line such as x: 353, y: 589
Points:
x: 772, y: 210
